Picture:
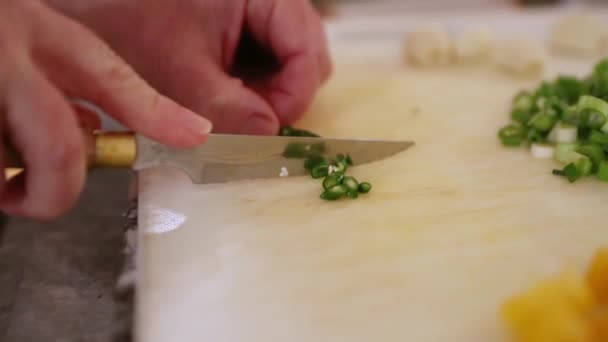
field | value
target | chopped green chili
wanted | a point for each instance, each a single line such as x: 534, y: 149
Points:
x: 351, y: 183
x: 345, y: 158
x: 303, y: 150
x: 333, y: 180
x: 335, y: 183
x: 320, y: 171
x: 294, y: 132
x: 339, y: 166
x: 352, y: 194
x: 365, y: 187
x: 334, y: 193
x: 311, y: 162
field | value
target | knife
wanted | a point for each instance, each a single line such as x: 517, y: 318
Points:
x: 223, y: 157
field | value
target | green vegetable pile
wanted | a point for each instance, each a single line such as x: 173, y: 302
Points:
x: 336, y: 184
x: 567, y: 117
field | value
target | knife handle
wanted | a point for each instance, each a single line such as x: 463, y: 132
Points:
x: 103, y: 149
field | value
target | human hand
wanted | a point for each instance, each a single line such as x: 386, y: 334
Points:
x: 44, y: 59
x: 193, y: 51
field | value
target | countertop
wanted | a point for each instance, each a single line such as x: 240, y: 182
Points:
x: 57, y: 279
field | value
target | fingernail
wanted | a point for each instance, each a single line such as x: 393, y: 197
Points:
x: 196, y: 124
x: 259, y: 124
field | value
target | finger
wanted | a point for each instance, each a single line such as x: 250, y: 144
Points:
x: 319, y: 38
x: 282, y: 26
x: 97, y: 74
x: 232, y: 107
x: 43, y: 128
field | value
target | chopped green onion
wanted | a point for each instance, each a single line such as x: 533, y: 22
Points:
x: 571, y: 172
x: 512, y: 142
x: 542, y: 121
x: 593, y: 151
x: 563, y: 151
x: 534, y: 135
x: 365, y: 187
x: 602, y: 171
x: 597, y: 83
x: 521, y: 116
x: 542, y: 151
x: 571, y: 116
x: 569, y: 112
x: 333, y: 180
x: 584, y: 166
x: 320, y: 171
x: 574, y: 157
x: 601, y: 68
x: 583, y: 133
x: 592, y: 119
x: 598, y: 137
x: 553, y: 106
x: 523, y: 101
x: 593, y: 111
x: 563, y: 133
x: 544, y: 90
x: 512, y: 135
x: 334, y: 193
x: 568, y: 88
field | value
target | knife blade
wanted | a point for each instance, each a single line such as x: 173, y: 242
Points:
x: 224, y: 157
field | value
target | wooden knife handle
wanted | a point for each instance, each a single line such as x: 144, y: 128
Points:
x: 104, y: 150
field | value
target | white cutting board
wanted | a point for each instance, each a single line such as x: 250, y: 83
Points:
x: 452, y: 227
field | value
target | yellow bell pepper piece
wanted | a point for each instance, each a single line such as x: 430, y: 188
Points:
x: 597, y: 276
x: 599, y: 325
x: 557, y: 309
